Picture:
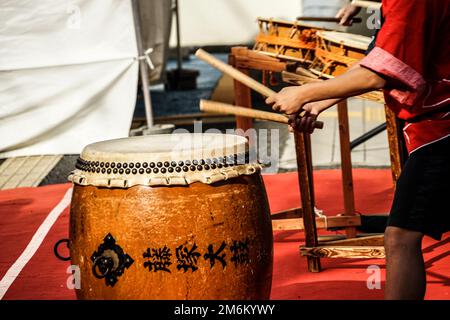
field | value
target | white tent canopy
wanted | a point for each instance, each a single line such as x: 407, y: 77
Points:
x: 68, y: 74
x: 69, y: 69
x: 228, y: 22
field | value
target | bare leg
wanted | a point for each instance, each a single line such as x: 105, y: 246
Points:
x: 405, y: 268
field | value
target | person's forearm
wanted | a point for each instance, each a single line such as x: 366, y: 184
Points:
x: 325, y: 104
x: 319, y: 96
x: 356, y: 81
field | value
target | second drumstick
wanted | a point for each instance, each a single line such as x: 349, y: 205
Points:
x: 223, y: 108
x: 241, y: 77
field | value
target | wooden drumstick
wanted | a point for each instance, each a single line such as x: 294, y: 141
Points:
x: 234, y: 73
x: 327, y: 19
x: 223, y: 108
x: 367, y: 4
x: 239, y: 76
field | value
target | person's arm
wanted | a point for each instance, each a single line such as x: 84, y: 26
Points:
x: 316, y: 97
x: 354, y: 82
x: 347, y: 13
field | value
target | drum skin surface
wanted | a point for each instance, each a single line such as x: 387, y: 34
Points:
x: 196, y: 241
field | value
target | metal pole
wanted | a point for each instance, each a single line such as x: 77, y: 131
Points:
x: 142, y: 65
x: 179, y: 55
x: 368, y: 135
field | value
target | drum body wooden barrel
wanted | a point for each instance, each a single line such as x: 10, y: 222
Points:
x: 177, y: 241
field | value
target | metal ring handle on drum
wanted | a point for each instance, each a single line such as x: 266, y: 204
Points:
x: 102, y: 261
x: 56, y: 252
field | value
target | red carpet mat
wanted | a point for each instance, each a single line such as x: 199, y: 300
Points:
x: 38, y: 274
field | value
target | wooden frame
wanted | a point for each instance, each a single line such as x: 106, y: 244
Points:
x: 293, y: 41
x: 397, y: 147
x: 353, y: 247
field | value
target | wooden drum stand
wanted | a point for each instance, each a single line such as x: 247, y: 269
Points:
x: 304, y: 218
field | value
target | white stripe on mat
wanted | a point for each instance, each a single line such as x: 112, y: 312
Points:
x: 34, y: 244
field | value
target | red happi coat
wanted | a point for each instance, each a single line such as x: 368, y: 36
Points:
x: 412, y: 51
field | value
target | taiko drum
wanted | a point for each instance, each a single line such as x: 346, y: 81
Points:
x: 336, y: 52
x: 181, y: 216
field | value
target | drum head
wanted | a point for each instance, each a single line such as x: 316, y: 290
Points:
x: 348, y: 39
x: 163, y: 160
x: 166, y: 147
x: 291, y: 24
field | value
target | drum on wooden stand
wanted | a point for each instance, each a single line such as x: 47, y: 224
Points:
x: 337, y: 51
x: 292, y: 41
x: 182, y: 216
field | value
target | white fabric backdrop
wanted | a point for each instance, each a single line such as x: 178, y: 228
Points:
x: 156, y: 20
x: 228, y: 22
x: 68, y: 74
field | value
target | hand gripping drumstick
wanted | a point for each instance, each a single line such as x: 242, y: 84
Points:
x: 241, y: 77
x: 223, y: 108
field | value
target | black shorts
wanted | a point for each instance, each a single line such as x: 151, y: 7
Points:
x: 422, y: 198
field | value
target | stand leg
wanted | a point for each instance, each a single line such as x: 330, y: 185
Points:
x: 305, y: 182
x: 308, y: 149
x: 346, y: 164
x: 242, y: 98
x: 396, y: 147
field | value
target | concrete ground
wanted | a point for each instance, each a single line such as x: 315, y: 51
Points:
x: 363, y: 116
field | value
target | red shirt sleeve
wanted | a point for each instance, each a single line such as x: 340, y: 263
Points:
x: 400, y: 50
x: 404, y: 31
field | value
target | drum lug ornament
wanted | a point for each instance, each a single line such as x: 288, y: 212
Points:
x: 56, y: 249
x: 110, y: 261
